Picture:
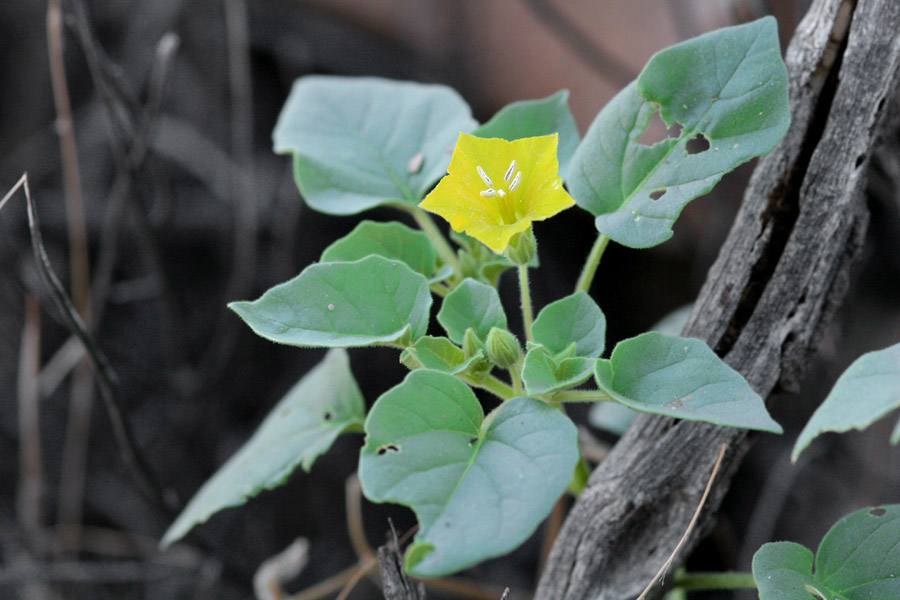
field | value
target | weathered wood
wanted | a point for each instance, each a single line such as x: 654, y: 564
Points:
x: 394, y: 582
x: 778, y: 280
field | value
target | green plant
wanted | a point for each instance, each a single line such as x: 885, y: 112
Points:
x: 490, y: 479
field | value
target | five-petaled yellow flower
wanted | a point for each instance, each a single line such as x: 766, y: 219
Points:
x: 496, y: 188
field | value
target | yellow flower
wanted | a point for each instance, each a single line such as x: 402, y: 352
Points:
x: 496, y: 188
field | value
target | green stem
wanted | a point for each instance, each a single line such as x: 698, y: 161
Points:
x: 527, y: 318
x: 582, y: 396
x: 493, y: 385
x: 427, y: 225
x: 714, y: 581
x: 590, y: 265
x: 516, y: 379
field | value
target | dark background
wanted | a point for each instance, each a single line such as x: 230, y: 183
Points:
x: 210, y: 215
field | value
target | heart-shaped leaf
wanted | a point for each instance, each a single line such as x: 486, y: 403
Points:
x: 614, y: 417
x: 725, y: 91
x: 683, y: 378
x: 479, y: 487
x: 868, y: 390
x: 371, y: 301
x: 575, y: 318
x: 542, y: 374
x: 471, y: 304
x: 858, y: 559
x: 323, y: 404
x: 391, y: 240
x: 531, y: 118
x: 361, y: 142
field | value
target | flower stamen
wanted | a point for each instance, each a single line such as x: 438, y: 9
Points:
x: 515, y: 182
x: 484, y: 177
x: 489, y: 192
x: 510, y: 171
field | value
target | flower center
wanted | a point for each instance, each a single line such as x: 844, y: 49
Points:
x: 509, y: 212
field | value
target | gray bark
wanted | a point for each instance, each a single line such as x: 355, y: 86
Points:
x: 776, y: 284
x: 394, y: 582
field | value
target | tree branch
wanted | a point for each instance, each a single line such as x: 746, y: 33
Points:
x: 777, y: 282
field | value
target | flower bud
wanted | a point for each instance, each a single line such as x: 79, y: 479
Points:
x: 522, y: 247
x: 503, y: 348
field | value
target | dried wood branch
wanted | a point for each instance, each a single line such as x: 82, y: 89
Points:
x: 776, y: 284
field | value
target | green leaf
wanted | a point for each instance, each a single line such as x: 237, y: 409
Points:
x: 479, y: 487
x: 542, y: 374
x: 730, y: 86
x: 858, y: 559
x: 868, y: 390
x: 683, y: 378
x: 440, y: 354
x: 361, y: 142
x: 575, y: 318
x: 531, y: 118
x: 371, y: 301
x: 302, y: 426
x: 471, y: 304
x: 614, y: 417
x: 390, y: 240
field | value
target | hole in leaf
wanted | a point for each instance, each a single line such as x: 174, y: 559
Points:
x: 327, y: 416
x: 384, y: 449
x: 674, y: 130
x: 697, y: 144
x: 655, y: 131
x: 860, y: 160
x: 878, y: 512
x: 656, y: 195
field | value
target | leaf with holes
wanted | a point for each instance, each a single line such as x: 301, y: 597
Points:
x: 479, y: 486
x: 683, y: 378
x: 575, y: 318
x: 438, y: 353
x: 868, y: 390
x: 542, y: 373
x: 361, y: 142
x: 531, y: 118
x: 303, y: 425
x: 371, y: 301
x: 471, y: 304
x: 391, y: 240
x: 726, y: 91
x: 858, y: 559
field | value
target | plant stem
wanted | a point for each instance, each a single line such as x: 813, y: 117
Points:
x: 516, y: 379
x: 582, y: 396
x: 428, y: 226
x: 493, y: 385
x: 714, y: 581
x: 590, y: 264
x: 527, y: 318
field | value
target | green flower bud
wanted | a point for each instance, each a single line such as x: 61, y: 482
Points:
x: 503, y: 348
x: 522, y: 247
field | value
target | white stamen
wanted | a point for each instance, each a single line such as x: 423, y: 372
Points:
x: 489, y: 192
x: 515, y: 182
x: 510, y: 170
x: 487, y: 180
x: 502, y: 193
